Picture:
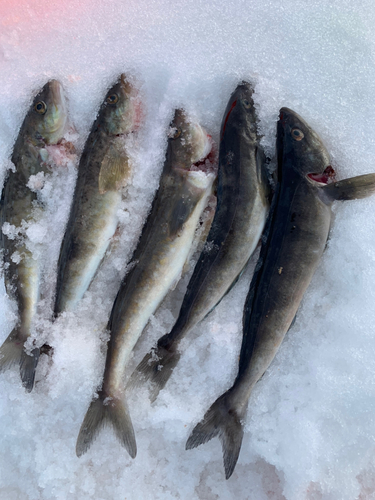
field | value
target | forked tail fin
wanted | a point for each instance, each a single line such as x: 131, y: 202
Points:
x: 224, y: 421
x: 28, y: 364
x: 12, y: 352
x: 103, y: 411
x: 157, y: 366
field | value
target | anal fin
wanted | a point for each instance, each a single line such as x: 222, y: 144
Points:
x: 157, y: 367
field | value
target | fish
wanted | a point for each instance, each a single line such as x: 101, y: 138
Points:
x: 295, y: 237
x: 44, y: 126
x: 104, y: 170
x: 157, y: 263
x: 243, y: 196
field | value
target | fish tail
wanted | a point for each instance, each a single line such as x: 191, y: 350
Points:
x: 157, y: 366
x: 224, y: 421
x: 28, y: 364
x: 12, y: 352
x: 103, y: 411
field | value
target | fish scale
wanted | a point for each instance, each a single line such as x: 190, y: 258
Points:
x: 159, y: 258
x: 104, y: 169
x: 295, y: 238
x: 44, y: 125
x: 242, y: 207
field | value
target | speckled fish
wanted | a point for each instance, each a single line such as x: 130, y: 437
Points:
x: 158, y: 262
x: 43, y: 126
x: 297, y: 233
x: 104, y: 170
x: 242, y: 207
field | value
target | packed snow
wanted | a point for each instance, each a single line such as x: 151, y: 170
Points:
x: 310, y: 428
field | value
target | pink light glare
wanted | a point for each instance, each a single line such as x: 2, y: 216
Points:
x: 18, y: 13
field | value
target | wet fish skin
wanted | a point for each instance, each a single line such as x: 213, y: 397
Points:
x: 159, y: 259
x: 297, y: 231
x: 104, y: 169
x: 44, y: 125
x: 243, y: 203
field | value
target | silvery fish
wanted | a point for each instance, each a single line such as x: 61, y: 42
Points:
x: 104, y: 170
x: 44, y: 125
x: 296, y: 235
x: 158, y: 261
x: 242, y: 207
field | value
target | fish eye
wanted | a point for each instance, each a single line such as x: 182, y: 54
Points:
x: 174, y: 133
x: 112, y: 99
x: 297, y: 134
x: 246, y: 104
x: 40, y: 107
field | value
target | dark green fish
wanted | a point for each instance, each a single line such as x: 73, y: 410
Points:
x: 297, y: 233
x: 242, y: 207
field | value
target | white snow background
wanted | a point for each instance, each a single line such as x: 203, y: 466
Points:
x: 310, y: 429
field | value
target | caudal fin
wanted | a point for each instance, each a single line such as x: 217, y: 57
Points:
x: 223, y: 421
x: 101, y: 412
x: 28, y: 364
x: 157, y: 366
x: 12, y: 352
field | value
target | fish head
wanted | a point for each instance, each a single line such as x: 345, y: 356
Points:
x: 188, y: 142
x: 300, y: 148
x: 47, y: 117
x: 240, y: 115
x: 120, y: 110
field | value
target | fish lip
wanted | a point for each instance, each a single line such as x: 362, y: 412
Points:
x: 280, y: 136
x: 328, y: 176
x: 179, y: 114
x: 206, y: 163
x: 55, y: 87
x: 182, y: 120
x: 243, y: 94
x: 128, y: 85
x: 286, y: 113
x: 315, y: 183
x: 244, y: 87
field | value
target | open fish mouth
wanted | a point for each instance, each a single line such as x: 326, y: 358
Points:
x: 323, y: 178
x: 208, y: 161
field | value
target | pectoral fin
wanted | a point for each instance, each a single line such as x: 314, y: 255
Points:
x: 181, y: 212
x: 115, y: 170
x: 351, y: 189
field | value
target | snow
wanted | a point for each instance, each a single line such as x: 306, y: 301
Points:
x: 310, y: 428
